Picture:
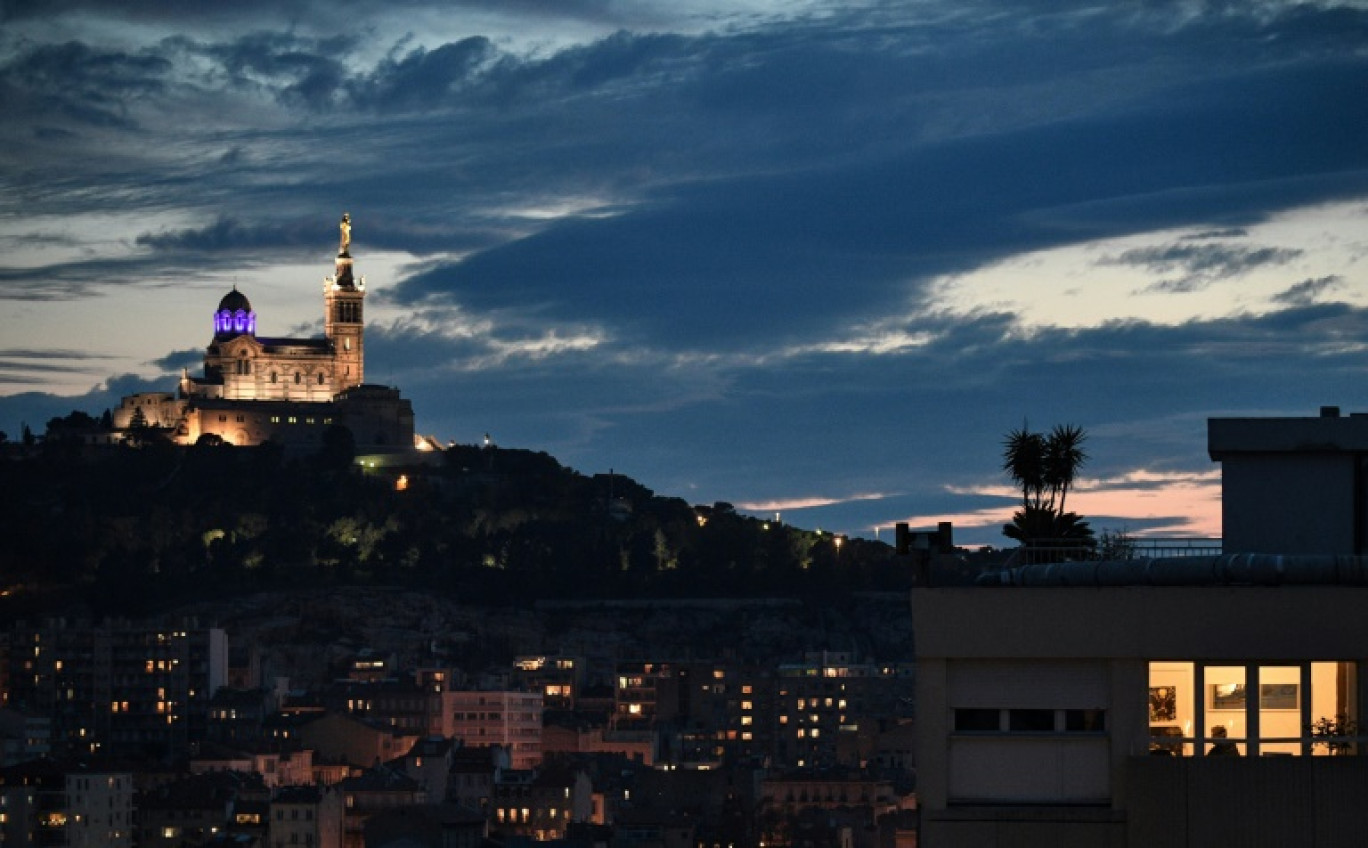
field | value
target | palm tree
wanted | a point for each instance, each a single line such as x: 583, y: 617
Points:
x: 1064, y: 455
x: 1023, y: 457
x: 1044, y: 468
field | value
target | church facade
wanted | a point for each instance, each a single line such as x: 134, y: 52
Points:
x: 258, y: 389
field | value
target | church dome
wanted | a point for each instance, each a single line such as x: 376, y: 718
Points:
x: 233, y: 301
x: 234, y: 315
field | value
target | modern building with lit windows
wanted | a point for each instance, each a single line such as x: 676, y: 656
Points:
x: 821, y: 702
x: 1185, y: 701
x: 510, y: 720
x: 118, y: 687
x: 1145, y: 711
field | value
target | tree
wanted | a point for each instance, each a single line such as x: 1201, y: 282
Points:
x: 338, y: 449
x: 1064, y: 455
x: 1044, y: 467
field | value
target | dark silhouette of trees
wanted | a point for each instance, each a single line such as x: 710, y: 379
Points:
x: 491, y: 525
x: 1044, y: 467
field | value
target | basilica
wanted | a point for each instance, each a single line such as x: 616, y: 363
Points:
x: 259, y: 389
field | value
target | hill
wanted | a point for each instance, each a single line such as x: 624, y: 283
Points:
x: 133, y: 531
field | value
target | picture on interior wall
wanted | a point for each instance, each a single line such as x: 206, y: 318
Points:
x: 1163, y: 703
x: 1227, y: 696
x: 1278, y: 696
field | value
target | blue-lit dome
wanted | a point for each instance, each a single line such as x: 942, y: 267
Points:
x: 234, y: 315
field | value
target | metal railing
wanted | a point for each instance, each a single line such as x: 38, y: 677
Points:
x: 1111, y: 549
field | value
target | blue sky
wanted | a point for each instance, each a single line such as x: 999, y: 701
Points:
x: 808, y: 258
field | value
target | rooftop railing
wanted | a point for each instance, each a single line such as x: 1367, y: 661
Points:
x: 1113, y: 548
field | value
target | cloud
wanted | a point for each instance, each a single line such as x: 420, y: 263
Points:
x: 226, y: 234
x: 795, y: 504
x: 305, y: 70
x: 1306, y: 292
x: 191, y: 358
x: 1198, y: 266
x: 91, y: 85
x: 36, y: 367
x: 422, y: 78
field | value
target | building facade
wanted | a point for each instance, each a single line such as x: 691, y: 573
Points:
x: 1141, y: 714
x: 118, y: 687
x: 511, y: 720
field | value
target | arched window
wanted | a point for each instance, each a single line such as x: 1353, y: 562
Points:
x: 299, y: 378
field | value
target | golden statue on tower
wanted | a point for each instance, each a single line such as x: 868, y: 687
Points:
x: 345, y: 227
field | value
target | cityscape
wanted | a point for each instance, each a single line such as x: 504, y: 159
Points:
x: 304, y: 623
x: 688, y: 425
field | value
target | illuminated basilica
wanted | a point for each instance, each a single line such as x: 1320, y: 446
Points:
x: 259, y: 389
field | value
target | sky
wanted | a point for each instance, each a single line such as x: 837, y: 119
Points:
x: 807, y: 258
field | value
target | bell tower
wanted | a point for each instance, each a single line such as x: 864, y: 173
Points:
x: 343, y: 323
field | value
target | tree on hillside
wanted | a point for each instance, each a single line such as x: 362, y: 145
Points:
x: 1044, y: 467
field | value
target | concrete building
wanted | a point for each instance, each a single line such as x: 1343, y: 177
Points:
x: 99, y: 809
x: 118, y: 687
x: 821, y: 702
x: 193, y: 809
x: 511, y: 720
x: 375, y: 790
x: 558, y: 678
x: 540, y: 804
x: 33, y: 800
x: 24, y: 736
x: 1096, y: 710
x: 1293, y: 485
x: 306, y: 815
x: 335, y: 737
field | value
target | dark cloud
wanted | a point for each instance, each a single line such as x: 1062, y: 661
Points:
x: 230, y: 234
x: 1199, y: 265
x: 422, y: 78
x: 251, y: 238
x: 1307, y: 291
x: 88, y: 84
x: 308, y: 71
x: 36, y: 354
x: 191, y: 358
x: 1205, y: 235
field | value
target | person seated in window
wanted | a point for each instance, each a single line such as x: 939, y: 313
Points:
x: 1223, y: 747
